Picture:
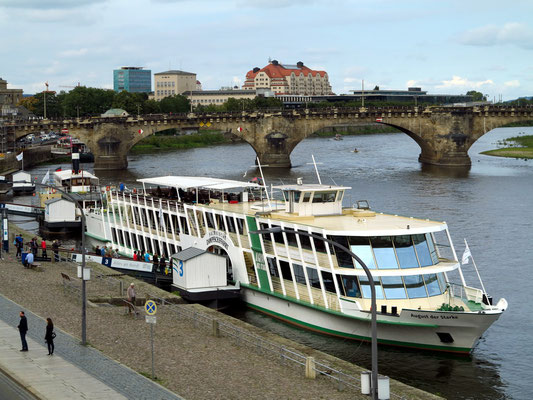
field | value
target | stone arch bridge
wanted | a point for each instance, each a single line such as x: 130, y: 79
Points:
x: 444, y: 134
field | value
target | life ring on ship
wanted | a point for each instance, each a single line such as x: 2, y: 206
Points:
x: 53, y: 191
x: 134, y: 190
x: 107, y: 188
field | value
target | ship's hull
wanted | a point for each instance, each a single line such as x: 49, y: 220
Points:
x: 412, y: 328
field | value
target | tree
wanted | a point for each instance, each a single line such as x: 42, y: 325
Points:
x: 476, y: 96
x: 53, y: 108
x: 131, y: 102
x: 175, y: 104
x: 87, y: 101
x: 30, y: 103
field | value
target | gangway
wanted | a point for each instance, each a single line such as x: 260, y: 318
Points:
x: 23, y: 209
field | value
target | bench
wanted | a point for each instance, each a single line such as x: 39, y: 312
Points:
x: 130, y: 307
x: 69, y: 283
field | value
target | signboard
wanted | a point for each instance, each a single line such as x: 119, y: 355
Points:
x: 64, y: 131
x: 150, y: 319
x: 150, y: 307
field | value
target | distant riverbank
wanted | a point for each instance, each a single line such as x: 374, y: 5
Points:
x: 515, y: 147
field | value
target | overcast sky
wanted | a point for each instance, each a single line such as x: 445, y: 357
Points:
x: 441, y: 46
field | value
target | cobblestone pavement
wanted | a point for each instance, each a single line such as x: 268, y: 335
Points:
x: 113, y: 374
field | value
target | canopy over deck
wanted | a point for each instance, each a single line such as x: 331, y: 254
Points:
x: 186, y: 182
x: 310, y: 187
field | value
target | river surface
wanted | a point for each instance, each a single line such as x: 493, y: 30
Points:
x: 490, y: 204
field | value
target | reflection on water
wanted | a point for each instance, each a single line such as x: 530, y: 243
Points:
x: 489, y: 204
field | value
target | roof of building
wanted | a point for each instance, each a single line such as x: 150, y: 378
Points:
x: 116, y: 111
x: 188, y: 253
x: 220, y: 92
x: 277, y: 70
x: 175, y: 72
x: 57, y: 199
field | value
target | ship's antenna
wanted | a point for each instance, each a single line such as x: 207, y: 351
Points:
x: 333, y: 180
x: 316, y: 169
x: 264, y: 182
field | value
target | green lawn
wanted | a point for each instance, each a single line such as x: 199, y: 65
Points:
x: 515, y: 147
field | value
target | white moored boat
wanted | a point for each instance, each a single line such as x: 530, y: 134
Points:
x: 299, y: 279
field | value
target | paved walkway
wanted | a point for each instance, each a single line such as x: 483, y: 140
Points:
x: 73, y: 372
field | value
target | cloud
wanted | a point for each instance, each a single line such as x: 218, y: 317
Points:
x: 47, y: 4
x: 273, y: 3
x: 514, y: 83
x: 458, y: 82
x: 74, y: 52
x: 512, y: 33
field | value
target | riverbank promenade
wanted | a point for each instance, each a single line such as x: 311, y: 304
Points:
x: 73, y: 372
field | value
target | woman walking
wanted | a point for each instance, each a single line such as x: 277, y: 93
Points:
x: 50, y: 335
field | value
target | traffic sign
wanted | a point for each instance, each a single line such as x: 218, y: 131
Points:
x: 150, y: 319
x: 150, y: 307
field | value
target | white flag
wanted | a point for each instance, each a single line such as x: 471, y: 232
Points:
x: 46, y: 178
x: 20, y: 156
x: 466, y: 254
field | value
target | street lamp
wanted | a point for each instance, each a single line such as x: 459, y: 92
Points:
x: 83, y: 284
x: 374, y: 343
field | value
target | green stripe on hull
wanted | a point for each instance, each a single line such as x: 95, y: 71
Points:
x: 330, y: 332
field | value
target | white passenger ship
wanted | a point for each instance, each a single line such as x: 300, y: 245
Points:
x: 302, y: 280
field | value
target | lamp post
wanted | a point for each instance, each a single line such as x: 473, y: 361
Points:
x: 83, y: 284
x: 374, y: 343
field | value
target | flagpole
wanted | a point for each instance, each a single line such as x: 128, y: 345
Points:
x: 475, y: 267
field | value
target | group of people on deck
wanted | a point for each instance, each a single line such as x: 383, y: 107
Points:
x: 159, y: 263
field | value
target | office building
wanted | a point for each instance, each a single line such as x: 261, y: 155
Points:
x: 132, y: 79
x: 173, y: 82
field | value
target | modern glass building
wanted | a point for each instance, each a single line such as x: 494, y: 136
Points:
x: 132, y: 79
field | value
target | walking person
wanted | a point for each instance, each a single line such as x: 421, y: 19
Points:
x: 55, y: 247
x: 34, y: 247
x: 23, y: 329
x: 162, y: 264
x: 49, y: 336
x: 19, y: 243
x: 155, y: 262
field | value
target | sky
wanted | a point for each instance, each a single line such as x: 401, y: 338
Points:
x: 444, y: 47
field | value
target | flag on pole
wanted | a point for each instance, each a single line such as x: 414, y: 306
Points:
x: 46, y: 178
x: 20, y: 156
x: 466, y: 254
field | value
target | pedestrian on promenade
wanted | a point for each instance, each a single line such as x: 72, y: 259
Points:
x: 115, y: 254
x: 34, y: 247
x: 19, y: 244
x: 146, y: 257
x: 23, y: 329
x: 28, y: 261
x: 55, y: 247
x: 103, y: 250
x: 43, y: 247
x: 135, y: 256
x: 131, y: 295
x: 49, y: 336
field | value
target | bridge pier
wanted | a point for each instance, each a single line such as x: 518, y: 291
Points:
x: 449, y: 159
x: 274, y: 160
x: 110, y: 162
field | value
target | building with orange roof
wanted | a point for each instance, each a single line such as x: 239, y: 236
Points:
x: 284, y: 79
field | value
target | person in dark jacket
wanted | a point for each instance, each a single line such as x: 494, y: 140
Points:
x: 23, y: 329
x: 49, y: 336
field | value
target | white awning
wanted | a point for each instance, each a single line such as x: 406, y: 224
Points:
x: 186, y: 182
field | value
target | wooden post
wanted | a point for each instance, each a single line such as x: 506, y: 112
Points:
x: 121, y: 288
x: 310, y: 372
x: 216, y: 329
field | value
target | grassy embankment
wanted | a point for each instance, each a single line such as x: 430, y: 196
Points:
x: 165, y: 142
x: 515, y: 147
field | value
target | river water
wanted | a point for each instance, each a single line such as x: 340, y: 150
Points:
x: 490, y: 204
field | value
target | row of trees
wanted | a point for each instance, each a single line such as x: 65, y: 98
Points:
x: 83, y: 101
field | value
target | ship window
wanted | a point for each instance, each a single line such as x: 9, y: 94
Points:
x: 305, y: 241
x: 327, y: 278
x: 312, y: 275
x: 432, y: 249
x: 361, y: 247
x: 324, y: 197
x: 272, y: 267
x: 291, y: 237
x: 298, y: 273
x: 351, y: 286
x: 114, y: 233
x: 231, y: 224
x: 432, y: 285
x: 422, y: 250
x: 297, y: 195
x: 285, y: 270
x: 405, y: 251
x: 365, y: 288
x: 393, y: 287
x: 340, y: 195
x: 384, y: 252
x: 240, y: 226
x: 210, y: 220
x: 307, y: 196
x: 415, y: 286
x: 220, y: 222
x: 184, y: 226
x: 344, y: 259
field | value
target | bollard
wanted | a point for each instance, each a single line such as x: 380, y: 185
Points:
x: 383, y: 387
x: 310, y: 372
x: 365, y: 382
x: 216, y: 329
x: 121, y: 288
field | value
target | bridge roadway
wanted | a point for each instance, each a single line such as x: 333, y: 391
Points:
x: 444, y: 134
